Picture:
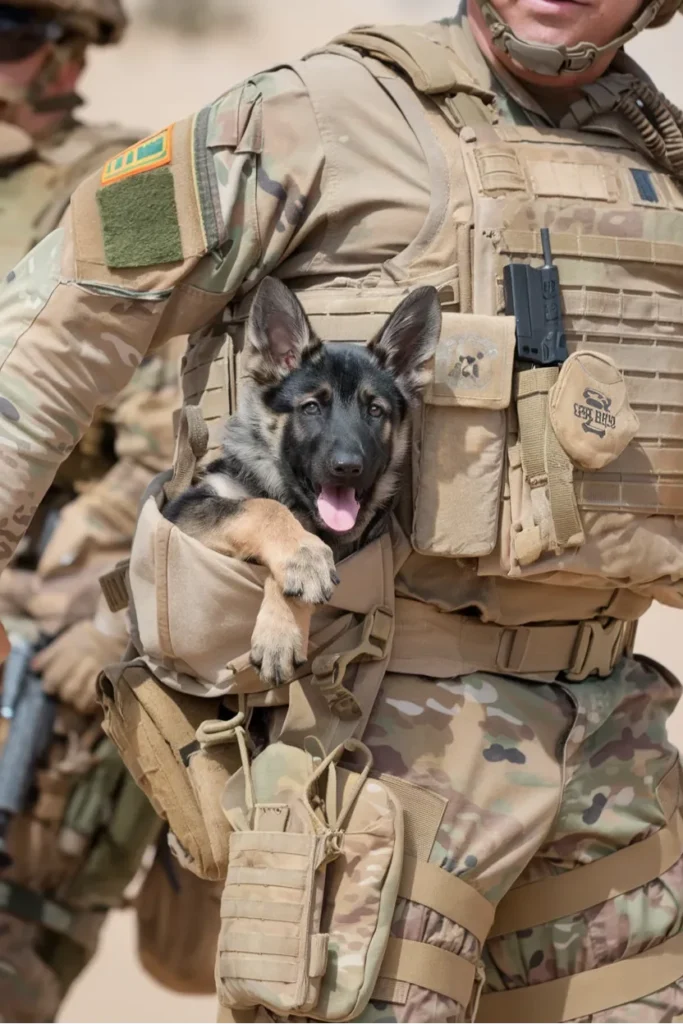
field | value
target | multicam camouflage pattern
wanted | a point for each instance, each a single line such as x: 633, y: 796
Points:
x: 536, y: 780
x: 495, y: 747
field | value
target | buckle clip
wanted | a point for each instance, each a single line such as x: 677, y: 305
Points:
x: 597, y: 649
x: 329, y: 670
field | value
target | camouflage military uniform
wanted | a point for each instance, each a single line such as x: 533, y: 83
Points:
x: 531, y: 779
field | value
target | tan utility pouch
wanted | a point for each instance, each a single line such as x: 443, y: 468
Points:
x: 155, y: 729
x: 459, y: 442
x: 590, y: 411
x: 315, y: 863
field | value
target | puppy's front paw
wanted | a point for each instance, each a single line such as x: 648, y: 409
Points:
x: 309, y: 574
x: 278, y: 645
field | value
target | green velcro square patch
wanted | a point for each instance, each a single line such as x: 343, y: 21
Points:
x: 140, y: 220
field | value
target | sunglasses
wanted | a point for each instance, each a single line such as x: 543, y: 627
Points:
x: 23, y: 32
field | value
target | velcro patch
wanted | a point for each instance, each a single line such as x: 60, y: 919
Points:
x: 156, y: 151
x: 139, y: 217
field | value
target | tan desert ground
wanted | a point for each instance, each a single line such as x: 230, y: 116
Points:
x: 157, y: 76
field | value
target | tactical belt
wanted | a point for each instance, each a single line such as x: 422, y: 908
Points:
x: 427, y: 641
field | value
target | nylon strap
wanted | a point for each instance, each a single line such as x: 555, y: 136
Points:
x: 424, y: 636
x: 446, y: 894
x: 419, y: 963
x: 575, y: 891
x: 590, y: 992
x: 545, y: 465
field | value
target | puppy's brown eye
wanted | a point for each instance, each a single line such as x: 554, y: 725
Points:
x: 375, y: 410
x: 310, y: 408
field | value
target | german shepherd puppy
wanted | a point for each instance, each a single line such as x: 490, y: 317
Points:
x: 312, y: 459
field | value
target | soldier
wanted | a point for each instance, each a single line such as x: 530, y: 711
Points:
x: 492, y: 657
x: 84, y: 526
x: 196, y: 18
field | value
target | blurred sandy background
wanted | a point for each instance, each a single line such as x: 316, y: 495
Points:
x: 160, y: 74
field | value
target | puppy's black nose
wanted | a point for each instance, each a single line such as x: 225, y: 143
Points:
x: 346, y: 465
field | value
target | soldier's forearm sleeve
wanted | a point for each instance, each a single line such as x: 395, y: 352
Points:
x: 64, y: 349
x: 153, y: 247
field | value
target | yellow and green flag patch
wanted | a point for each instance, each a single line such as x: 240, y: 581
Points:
x: 137, y: 206
x: 156, y: 151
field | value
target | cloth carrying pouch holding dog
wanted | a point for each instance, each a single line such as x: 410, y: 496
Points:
x: 313, y: 847
x: 194, y: 609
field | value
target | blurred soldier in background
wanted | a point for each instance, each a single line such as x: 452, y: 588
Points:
x: 197, y: 16
x: 73, y: 824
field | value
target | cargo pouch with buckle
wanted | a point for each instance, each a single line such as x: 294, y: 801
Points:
x: 459, y: 440
x: 158, y: 734
x: 316, y: 855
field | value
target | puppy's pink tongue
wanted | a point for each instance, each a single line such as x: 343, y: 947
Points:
x: 338, y: 508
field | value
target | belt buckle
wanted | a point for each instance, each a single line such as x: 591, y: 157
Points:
x: 377, y: 633
x: 595, y: 649
x: 329, y: 671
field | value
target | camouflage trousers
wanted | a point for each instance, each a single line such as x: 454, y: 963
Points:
x: 538, y: 779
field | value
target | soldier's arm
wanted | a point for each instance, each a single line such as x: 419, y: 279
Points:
x: 212, y: 206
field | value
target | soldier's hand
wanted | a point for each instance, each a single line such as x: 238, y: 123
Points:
x: 71, y: 664
x: 4, y: 644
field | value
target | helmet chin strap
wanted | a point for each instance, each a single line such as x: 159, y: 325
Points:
x: 559, y: 60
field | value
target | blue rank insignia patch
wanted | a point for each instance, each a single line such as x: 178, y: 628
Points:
x: 143, y: 156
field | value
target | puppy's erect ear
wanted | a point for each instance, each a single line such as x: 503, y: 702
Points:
x: 407, y: 341
x: 278, y: 333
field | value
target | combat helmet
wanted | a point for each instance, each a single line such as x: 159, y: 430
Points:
x: 666, y: 12
x: 99, y: 21
x: 562, y: 60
